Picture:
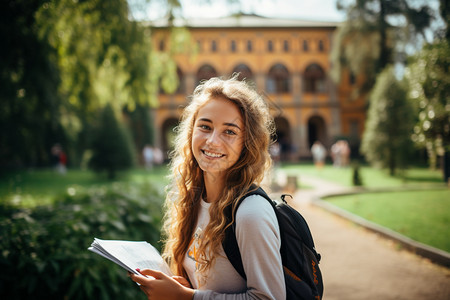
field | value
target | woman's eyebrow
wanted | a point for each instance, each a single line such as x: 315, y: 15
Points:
x: 226, y: 123
x: 232, y: 125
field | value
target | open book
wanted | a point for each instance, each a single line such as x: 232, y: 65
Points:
x: 131, y: 255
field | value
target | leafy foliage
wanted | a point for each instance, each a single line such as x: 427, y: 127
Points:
x: 62, y: 62
x: 28, y: 93
x: 44, y: 249
x: 386, y: 141
x: 368, y: 40
x: 430, y: 91
x: 112, y: 146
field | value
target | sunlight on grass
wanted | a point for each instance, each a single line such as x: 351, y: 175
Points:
x: 371, y: 177
x: 40, y: 187
x: 421, y: 215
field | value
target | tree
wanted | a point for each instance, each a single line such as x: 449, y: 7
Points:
x: 368, y: 40
x: 386, y: 141
x: 141, y: 126
x: 111, y: 145
x: 29, y: 117
x: 430, y: 90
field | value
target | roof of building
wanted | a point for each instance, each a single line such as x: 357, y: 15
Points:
x: 242, y: 21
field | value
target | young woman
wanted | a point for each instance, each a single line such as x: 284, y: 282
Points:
x: 221, y: 150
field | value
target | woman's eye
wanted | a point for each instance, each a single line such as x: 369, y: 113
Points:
x: 229, y: 131
x: 206, y: 127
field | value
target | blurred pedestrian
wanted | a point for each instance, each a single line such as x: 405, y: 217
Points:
x: 319, y: 154
x: 148, y: 155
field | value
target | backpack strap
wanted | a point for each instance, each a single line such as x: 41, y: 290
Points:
x: 230, y: 245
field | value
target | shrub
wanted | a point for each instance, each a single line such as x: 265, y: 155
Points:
x: 112, y: 147
x: 44, y: 250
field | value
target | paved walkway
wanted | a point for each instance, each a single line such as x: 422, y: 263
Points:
x: 359, y: 264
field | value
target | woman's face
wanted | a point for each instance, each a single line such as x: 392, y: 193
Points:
x: 218, y: 136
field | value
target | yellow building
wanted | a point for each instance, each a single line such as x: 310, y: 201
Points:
x: 289, y: 63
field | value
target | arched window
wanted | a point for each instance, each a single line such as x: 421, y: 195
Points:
x: 321, y: 46
x: 213, y: 46
x: 181, y: 82
x: 278, y: 79
x: 305, y: 46
x: 249, y: 46
x: 233, y: 47
x: 244, y: 72
x: 314, y: 79
x: 205, y: 72
x: 286, y: 46
x: 269, y: 46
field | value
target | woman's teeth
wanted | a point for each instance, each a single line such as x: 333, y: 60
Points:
x: 211, y: 154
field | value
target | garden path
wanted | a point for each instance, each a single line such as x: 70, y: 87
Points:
x: 359, y: 264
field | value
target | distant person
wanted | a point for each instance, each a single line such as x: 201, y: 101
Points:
x: 221, y: 150
x: 62, y: 163
x: 319, y: 154
x: 148, y: 156
x: 54, y: 152
x: 336, y: 154
x: 158, y: 156
x: 275, y: 152
x: 345, y: 153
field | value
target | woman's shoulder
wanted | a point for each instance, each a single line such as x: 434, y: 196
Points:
x: 255, y: 207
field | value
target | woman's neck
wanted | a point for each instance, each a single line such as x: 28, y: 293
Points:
x: 214, y: 186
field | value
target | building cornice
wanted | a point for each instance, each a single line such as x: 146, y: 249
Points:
x: 242, y: 21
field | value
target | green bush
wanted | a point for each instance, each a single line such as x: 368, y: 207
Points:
x: 112, y: 147
x: 44, y: 250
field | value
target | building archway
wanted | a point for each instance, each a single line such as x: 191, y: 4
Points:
x: 278, y: 79
x: 205, y: 72
x: 283, y: 136
x: 317, y: 131
x: 168, y: 135
x: 244, y: 72
x: 314, y: 79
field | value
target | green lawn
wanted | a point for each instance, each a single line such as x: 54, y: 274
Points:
x: 371, y: 177
x: 423, y: 216
x: 35, y: 187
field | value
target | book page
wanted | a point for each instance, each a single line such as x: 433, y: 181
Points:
x: 131, y: 255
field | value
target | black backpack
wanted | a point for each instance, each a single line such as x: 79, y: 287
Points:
x: 300, y: 259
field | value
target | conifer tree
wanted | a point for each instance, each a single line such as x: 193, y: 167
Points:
x: 111, y: 145
x: 387, y: 137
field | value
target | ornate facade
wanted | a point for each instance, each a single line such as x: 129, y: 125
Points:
x: 289, y: 63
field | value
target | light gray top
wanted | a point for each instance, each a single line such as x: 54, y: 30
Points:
x: 258, y: 237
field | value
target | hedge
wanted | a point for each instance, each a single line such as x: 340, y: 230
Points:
x: 44, y: 249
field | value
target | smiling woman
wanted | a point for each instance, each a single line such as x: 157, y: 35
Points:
x: 221, y: 150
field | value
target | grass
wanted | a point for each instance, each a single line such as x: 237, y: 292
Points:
x: 423, y: 213
x: 371, y: 177
x: 423, y: 216
x: 38, y: 187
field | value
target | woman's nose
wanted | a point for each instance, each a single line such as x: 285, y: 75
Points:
x: 213, y: 138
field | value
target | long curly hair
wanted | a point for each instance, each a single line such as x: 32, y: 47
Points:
x: 185, y: 190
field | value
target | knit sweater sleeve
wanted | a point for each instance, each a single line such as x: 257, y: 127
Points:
x: 258, y: 237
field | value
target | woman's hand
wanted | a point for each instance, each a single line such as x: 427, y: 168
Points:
x: 160, y: 286
x: 183, y: 281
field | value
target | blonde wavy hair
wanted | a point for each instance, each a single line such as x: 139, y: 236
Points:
x: 186, y: 188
